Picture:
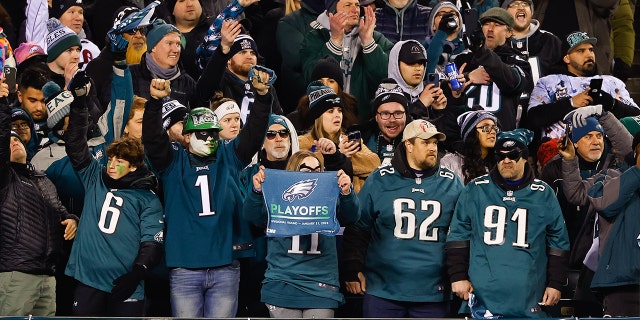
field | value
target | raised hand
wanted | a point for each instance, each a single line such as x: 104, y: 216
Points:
x: 159, y: 88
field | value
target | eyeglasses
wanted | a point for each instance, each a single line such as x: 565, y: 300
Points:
x: 514, y: 155
x: 487, y: 128
x: 305, y: 168
x: 521, y: 4
x: 386, y: 115
x: 20, y: 126
x: 271, y: 134
x: 143, y: 31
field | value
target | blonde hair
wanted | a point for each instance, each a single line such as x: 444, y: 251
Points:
x: 296, y: 160
x: 291, y: 6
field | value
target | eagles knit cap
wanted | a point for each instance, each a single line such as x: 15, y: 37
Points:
x: 498, y: 15
x: 226, y: 108
x: 15, y: 134
x: 59, y: 39
x: 172, y: 112
x: 20, y: 114
x: 517, y: 138
x: 58, y: 7
x: 389, y: 91
x: 506, y: 4
x: 470, y: 119
x: 321, y: 99
x: 592, y: 125
x: 278, y: 119
x: 632, y: 124
x: 422, y: 129
x: 328, y: 68
x: 58, y: 103
x: 243, y: 42
x: 159, y: 29
x: 27, y: 50
x: 577, y: 38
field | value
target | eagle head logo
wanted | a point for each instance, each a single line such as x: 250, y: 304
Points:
x: 300, y: 190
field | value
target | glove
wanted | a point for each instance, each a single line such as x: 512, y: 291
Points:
x: 621, y: 70
x: 118, y: 45
x: 578, y: 117
x: 80, y: 84
x: 474, y: 41
x: 125, y: 285
x: 605, y: 99
x: 448, y: 23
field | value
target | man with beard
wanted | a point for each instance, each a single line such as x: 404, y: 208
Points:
x: 558, y: 94
x: 382, y: 133
x: 409, y: 192
x: 228, y: 68
x: 507, y: 244
x: 542, y: 48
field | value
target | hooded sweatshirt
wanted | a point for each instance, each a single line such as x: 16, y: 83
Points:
x: 410, y: 22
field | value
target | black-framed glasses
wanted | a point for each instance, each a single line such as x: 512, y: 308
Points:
x: 305, y: 168
x: 513, y: 155
x: 386, y: 115
x: 132, y: 32
x: 487, y: 128
x: 521, y: 4
x: 271, y: 134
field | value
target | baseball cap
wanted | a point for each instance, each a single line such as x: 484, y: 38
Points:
x: 422, y: 129
x: 498, y: 15
x: 577, y: 38
x: 412, y: 52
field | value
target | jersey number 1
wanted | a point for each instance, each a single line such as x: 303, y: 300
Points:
x: 203, y: 183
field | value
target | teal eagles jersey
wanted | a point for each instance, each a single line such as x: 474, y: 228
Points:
x: 408, y: 219
x: 200, y: 202
x: 113, y: 224
x: 509, y: 233
x: 302, y: 271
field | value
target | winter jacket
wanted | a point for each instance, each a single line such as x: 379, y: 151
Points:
x: 441, y: 51
x: 543, y: 50
x: 362, y: 71
x: 410, y: 22
x: 30, y: 213
x: 617, y: 197
x: 182, y: 87
x: 290, y: 33
x: 194, y: 39
x: 510, y: 76
x: 568, y: 179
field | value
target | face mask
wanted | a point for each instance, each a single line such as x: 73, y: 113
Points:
x: 204, y: 143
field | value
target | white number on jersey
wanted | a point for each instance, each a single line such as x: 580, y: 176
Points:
x: 405, y: 227
x: 203, y: 183
x: 489, y: 97
x: 495, y: 219
x: 295, y: 245
x: 109, y: 214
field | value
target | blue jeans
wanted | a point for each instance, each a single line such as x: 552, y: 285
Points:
x: 208, y: 293
x: 376, y: 307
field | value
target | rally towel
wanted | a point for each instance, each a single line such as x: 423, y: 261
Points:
x: 301, y: 203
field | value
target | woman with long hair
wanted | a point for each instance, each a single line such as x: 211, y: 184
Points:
x: 326, y: 112
x: 301, y: 280
x: 475, y: 157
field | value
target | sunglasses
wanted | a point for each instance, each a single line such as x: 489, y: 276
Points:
x: 132, y: 32
x: 305, y: 168
x: 271, y: 134
x: 514, y: 155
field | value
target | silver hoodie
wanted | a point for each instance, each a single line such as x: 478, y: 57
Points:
x: 393, y: 70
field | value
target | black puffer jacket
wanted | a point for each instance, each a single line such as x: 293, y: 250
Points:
x: 182, y: 87
x: 30, y: 213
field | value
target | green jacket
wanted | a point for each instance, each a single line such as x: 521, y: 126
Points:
x: 368, y: 67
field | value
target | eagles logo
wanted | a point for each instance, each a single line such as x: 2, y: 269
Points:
x: 300, y: 190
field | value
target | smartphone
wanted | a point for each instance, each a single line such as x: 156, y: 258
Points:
x: 355, y: 136
x: 594, y: 87
x: 362, y: 12
x: 432, y: 78
x: 567, y: 135
x: 10, y: 78
x: 471, y: 20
